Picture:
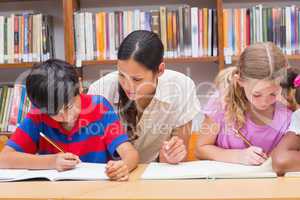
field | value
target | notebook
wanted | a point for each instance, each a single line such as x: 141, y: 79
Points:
x: 292, y: 174
x: 207, y: 169
x: 83, y: 171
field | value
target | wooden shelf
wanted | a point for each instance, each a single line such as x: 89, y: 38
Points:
x: 167, y: 60
x: 289, y: 57
x: 16, y: 65
x: 6, y: 133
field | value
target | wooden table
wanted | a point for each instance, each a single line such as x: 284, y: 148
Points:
x: 246, y: 189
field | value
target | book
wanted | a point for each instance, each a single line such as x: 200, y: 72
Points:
x: 207, y: 169
x: 20, y: 105
x: 292, y: 174
x: 195, y: 31
x: 1, y: 39
x: 84, y: 171
x: 163, y: 26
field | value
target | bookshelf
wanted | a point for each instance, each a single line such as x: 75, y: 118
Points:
x: 94, y: 5
x: 64, y: 40
x: 17, y: 65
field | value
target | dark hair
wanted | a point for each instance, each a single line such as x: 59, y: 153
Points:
x: 292, y: 93
x: 51, y: 85
x: 146, y: 48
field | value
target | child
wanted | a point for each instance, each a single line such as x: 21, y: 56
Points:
x: 251, y: 107
x: 286, y: 155
x: 84, y: 126
x: 222, y: 82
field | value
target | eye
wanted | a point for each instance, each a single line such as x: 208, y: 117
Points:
x: 256, y: 95
x: 274, y: 94
x: 137, y: 79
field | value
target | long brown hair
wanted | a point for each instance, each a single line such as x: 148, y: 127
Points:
x: 263, y: 61
x: 291, y: 92
x: 146, y: 48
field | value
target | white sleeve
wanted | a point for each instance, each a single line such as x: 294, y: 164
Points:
x: 93, y: 89
x: 105, y: 86
x: 295, y: 123
x: 188, y: 105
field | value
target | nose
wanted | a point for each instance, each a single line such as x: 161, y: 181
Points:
x: 128, y: 85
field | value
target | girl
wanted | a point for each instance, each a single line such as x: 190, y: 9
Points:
x: 251, y: 109
x: 157, y: 105
x: 286, y: 154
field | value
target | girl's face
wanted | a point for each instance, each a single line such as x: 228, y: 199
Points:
x: 69, y: 114
x: 261, y: 93
x: 136, y: 80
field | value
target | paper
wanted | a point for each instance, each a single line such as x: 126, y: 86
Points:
x: 84, y: 171
x: 207, y: 169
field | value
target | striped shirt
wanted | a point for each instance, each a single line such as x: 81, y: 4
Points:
x: 94, y: 138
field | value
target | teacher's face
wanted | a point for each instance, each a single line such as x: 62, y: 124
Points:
x: 136, y: 80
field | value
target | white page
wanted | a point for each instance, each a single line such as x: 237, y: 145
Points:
x: 292, y: 174
x: 207, y: 169
x: 8, y: 174
x: 180, y: 171
x: 228, y: 170
x: 84, y: 171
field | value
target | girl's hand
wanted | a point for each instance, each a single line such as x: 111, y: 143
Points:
x: 117, y: 170
x: 252, y: 156
x: 174, y: 150
x: 65, y: 161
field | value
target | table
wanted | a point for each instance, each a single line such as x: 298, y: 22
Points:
x: 246, y: 189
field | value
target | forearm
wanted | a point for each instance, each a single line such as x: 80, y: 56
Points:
x: 131, y: 160
x: 16, y: 160
x: 212, y: 152
x: 286, y: 161
x: 285, y: 157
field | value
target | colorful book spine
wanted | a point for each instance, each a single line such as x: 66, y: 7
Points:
x: 246, y: 26
x: 184, y: 31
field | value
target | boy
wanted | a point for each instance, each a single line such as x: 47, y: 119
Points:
x: 84, y: 126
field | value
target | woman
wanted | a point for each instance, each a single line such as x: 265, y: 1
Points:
x: 156, y: 105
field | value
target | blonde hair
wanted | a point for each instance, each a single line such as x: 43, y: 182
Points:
x: 224, y: 78
x: 262, y: 61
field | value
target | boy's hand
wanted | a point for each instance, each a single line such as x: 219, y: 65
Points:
x: 117, y: 170
x: 252, y: 156
x: 174, y: 150
x: 65, y: 161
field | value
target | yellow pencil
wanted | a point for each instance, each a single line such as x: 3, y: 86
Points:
x: 238, y: 132
x: 241, y: 135
x: 52, y: 143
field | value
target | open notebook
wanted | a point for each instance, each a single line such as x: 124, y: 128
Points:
x: 208, y: 169
x: 84, y: 171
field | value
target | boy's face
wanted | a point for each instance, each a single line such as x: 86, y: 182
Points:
x: 69, y: 114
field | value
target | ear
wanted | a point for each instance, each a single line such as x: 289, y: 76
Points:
x: 161, y: 68
x: 237, y: 80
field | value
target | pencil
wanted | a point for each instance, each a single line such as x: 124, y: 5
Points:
x: 239, y: 133
x: 52, y: 143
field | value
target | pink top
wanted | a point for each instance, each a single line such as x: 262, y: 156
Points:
x: 264, y: 136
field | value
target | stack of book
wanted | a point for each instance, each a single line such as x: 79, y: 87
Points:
x: 14, y: 105
x: 184, y: 31
x: 26, y: 38
x: 243, y: 27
